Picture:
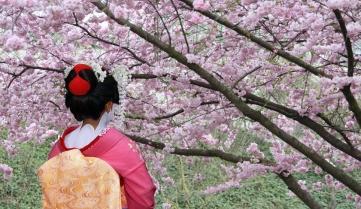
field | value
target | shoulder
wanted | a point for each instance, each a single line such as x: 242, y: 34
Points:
x: 115, y: 134
x: 107, y: 141
x: 123, y: 142
x: 124, y: 155
x: 56, y: 146
x: 118, y: 136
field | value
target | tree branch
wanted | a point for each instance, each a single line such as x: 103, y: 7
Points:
x: 245, y: 75
x: 259, y: 41
x: 56, y: 105
x: 173, y: 77
x: 293, y: 185
x: 336, y: 172
x: 198, y: 152
x: 308, y: 122
x: 164, y: 25
x: 170, y: 115
x: 181, y: 25
x: 336, y: 128
x: 42, y: 68
x: 289, y: 180
x: 350, y: 56
x: 16, y: 76
x: 28, y: 67
x: 288, y: 112
x: 353, y: 105
x: 76, y: 24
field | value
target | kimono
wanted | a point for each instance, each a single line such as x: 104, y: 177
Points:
x: 123, y: 156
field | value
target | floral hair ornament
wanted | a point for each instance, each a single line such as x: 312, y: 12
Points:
x: 121, y: 75
x: 79, y: 86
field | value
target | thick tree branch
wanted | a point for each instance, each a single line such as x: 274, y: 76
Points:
x: 198, y: 152
x: 293, y: 185
x: 350, y: 56
x: 337, y: 173
x: 144, y: 76
x: 353, y: 105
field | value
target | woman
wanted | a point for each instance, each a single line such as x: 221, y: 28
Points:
x: 91, y: 100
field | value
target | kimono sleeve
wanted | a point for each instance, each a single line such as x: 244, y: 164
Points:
x: 126, y: 159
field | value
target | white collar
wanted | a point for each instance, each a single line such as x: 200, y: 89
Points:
x: 86, y: 133
x: 100, y: 127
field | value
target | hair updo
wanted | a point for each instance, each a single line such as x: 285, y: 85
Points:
x: 91, y: 104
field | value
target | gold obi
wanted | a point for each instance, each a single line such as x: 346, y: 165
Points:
x: 72, y: 181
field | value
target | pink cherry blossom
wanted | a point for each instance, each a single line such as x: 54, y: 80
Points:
x: 248, y: 2
x: 340, y: 4
x: 201, y: 4
x: 14, y: 43
x: 354, y: 28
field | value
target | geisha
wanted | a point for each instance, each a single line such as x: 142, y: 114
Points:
x: 93, y: 165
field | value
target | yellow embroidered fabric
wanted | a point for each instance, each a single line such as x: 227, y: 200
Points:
x: 72, y: 181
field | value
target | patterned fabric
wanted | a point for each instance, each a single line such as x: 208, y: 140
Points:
x: 122, y: 154
x: 72, y: 181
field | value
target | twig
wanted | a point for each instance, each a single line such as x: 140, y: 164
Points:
x: 336, y: 128
x: 181, y: 25
x: 245, y: 75
x: 164, y: 25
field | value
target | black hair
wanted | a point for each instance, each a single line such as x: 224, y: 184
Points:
x: 93, y: 103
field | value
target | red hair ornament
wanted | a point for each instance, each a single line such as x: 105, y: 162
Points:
x: 79, y: 86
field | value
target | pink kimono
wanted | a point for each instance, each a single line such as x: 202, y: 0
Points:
x: 122, y: 154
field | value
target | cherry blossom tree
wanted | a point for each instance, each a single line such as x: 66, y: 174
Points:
x: 287, y: 72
